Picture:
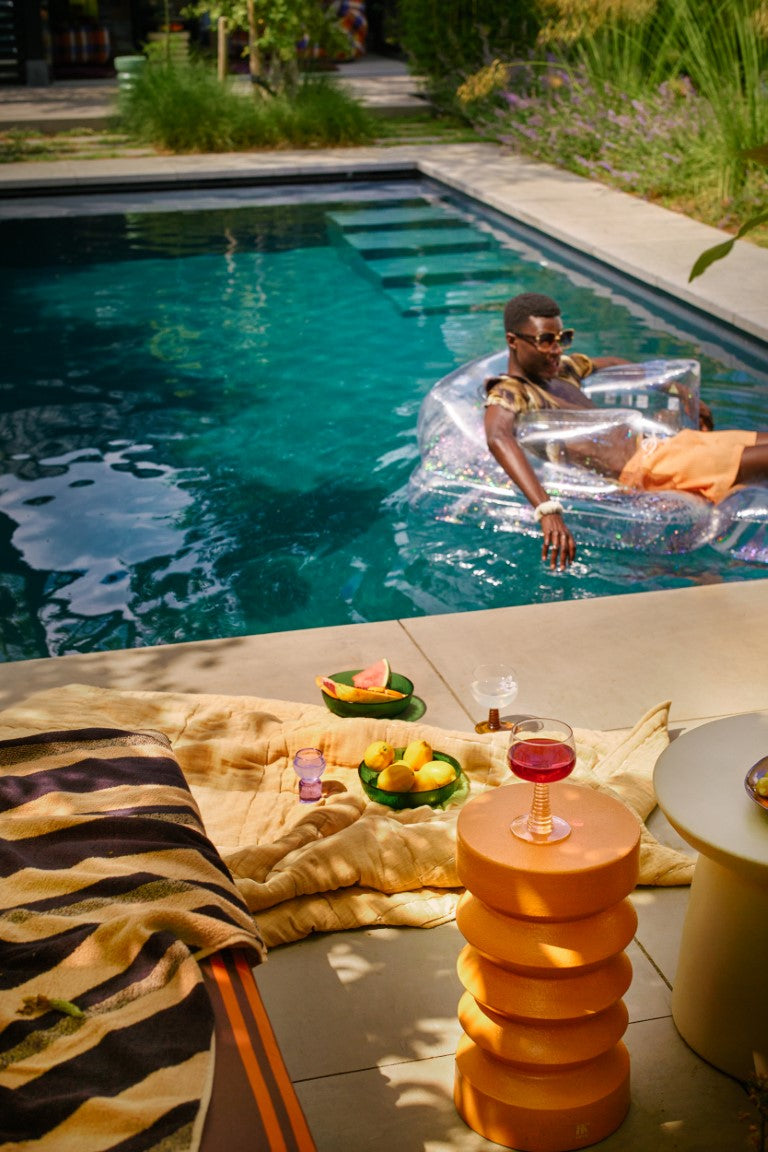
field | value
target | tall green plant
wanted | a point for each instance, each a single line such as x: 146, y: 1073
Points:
x: 447, y: 39
x: 720, y: 46
x: 628, y: 45
x: 189, y: 110
x: 708, y: 257
x: 724, y: 50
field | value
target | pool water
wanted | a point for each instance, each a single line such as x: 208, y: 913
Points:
x: 208, y: 417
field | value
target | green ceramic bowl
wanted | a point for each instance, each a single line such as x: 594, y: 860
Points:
x: 384, y: 710
x: 434, y: 798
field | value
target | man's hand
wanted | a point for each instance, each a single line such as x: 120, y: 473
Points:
x: 559, y: 547
x: 706, y: 419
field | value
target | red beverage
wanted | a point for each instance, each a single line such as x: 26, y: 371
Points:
x: 541, y: 760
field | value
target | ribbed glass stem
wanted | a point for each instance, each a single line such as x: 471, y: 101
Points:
x: 540, y: 816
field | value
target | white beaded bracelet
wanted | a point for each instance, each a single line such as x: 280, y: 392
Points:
x: 547, y: 508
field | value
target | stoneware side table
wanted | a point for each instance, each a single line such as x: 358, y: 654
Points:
x: 719, y: 1002
x: 541, y: 1066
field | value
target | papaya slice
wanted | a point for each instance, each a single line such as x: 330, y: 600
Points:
x: 372, y: 695
x: 327, y: 686
x: 354, y: 695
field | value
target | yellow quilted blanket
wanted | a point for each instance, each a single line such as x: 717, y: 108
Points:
x: 344, y: 862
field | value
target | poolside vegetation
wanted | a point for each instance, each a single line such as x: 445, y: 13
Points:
x: 187, y: 108
x: 665, y: 99
x: 283, y: 35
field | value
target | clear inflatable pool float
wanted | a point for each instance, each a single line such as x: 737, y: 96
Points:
x: 458, y: 479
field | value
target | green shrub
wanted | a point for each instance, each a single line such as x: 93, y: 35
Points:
x: 188, y: 109
x: 447, y: 39
x: 278, y: 28
x: 636, y: 46
x: 664, y: 144
x: 724, y: 50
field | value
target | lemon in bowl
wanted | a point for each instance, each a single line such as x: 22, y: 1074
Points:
x: 398, y: 785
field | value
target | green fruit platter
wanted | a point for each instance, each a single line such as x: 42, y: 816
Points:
x: 434, y: 797
x: 374, y: 692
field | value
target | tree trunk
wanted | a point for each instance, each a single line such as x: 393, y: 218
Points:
x: 221, y: 47
x: 254, y: 61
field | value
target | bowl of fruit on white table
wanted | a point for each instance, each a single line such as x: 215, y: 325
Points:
x: 756, y: 782
x: 411, y: 776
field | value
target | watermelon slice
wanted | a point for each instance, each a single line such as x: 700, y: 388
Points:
x: 377, y: 676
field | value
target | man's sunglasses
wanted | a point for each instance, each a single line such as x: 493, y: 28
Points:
x: 547, y: 340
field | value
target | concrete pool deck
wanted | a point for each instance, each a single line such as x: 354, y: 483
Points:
x: 367, y: 1019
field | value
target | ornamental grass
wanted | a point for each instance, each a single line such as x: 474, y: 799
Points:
x: 186, y: 108
x: 661, y: 98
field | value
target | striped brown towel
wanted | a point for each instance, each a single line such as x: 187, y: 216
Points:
x: 110, y: 896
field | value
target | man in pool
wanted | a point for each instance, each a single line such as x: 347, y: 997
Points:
x: 540, y: 376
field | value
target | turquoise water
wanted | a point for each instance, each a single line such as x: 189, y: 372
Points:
x: 208, y: 418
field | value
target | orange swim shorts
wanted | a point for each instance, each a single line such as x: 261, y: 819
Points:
x: 704, y: 463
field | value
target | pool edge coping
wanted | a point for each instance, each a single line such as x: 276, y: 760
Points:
x: 653, y: 246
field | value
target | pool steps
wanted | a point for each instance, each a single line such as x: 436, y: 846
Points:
x: 467, y: 269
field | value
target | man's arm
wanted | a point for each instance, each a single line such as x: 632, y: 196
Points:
x: 599, y: 362
x: 559, y: 546
x: 706, y: 419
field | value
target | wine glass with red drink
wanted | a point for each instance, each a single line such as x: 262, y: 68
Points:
x: 541, y: 751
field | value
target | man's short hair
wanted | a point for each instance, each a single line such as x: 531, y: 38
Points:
x: 521, y: 308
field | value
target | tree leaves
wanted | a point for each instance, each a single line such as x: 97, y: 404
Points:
x: 719, y: 251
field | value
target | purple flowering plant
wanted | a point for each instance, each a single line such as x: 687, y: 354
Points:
x: 659, y: 143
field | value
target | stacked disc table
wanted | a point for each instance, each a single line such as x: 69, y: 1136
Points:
x: 542, y: 1066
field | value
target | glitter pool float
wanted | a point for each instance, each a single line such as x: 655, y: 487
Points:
x: 458, y: 480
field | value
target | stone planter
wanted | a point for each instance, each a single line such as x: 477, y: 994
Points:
x: 128, y: 68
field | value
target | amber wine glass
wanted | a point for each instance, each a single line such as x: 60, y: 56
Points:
x: 494, y: 686
x: 541, y: 751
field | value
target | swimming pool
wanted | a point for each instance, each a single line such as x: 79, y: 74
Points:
x: 208, y: 414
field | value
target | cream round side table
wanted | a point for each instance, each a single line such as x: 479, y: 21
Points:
x: 719, y: 1003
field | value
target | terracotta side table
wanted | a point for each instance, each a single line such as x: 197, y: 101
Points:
x: 542, y: 1066
x: 719, y: 1003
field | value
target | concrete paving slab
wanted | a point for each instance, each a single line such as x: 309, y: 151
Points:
x: 620, y: 230
x: 403, y: 270
x: 382, y: 84
x: 601, y: 663
x: 661, y: 912
x: 58, y: 107
x: 612, y: 658
x: 279, y: 666
x: 414, y: 241
x: 400, y: 216
x: 352, y: 971
x: 422, y: 300
x: 678, y: 1103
